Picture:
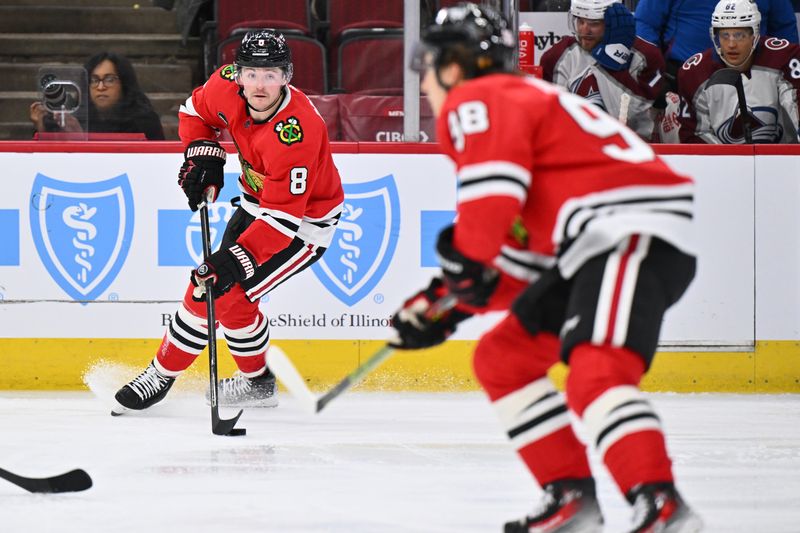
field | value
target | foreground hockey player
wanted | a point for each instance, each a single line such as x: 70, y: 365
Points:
x: 607, y: 64
x: 290, y: 204
x: 771, y: 79
x: 573, y: 217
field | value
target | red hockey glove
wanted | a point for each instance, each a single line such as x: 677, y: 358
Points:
x: 418, y: 327
x: 202, y: 170
x: 470, y: 281
x: 223, y: 268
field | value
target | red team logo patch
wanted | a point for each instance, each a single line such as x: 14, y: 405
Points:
x: 228, y: 72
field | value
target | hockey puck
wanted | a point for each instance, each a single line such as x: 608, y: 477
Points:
x: 237, y: 432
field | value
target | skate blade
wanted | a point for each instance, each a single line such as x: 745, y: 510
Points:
x: 119, y: 410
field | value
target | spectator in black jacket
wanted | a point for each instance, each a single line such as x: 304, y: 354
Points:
x: 116, y: 102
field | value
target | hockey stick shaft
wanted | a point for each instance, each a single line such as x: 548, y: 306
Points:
x: 287, y: 373
x: 219, y: 426
x: 439, y: 307
x: 748, y: 129
x: 72, y: 481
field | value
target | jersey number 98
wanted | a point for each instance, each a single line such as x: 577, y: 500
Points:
x: 595, y: 122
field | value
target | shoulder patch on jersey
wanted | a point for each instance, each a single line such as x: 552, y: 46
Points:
x: 289, y: 132
x: 228, y: 72
x: 692, y: 61
x: 774, y: 43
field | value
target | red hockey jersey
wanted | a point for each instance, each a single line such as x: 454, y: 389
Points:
x: 288, y: 181
x: 545, y: 173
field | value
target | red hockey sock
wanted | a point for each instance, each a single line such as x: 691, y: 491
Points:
x: 602, y: 388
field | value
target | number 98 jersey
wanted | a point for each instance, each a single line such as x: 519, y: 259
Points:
x: 545, y: 172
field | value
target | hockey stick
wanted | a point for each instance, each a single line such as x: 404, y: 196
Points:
x: 624, y: 104
x: 287, y: 373
x: 73, y: 481
x: 731, y: 76
x: 219, y: 426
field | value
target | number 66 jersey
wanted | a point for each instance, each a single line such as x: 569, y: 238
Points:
x: 544, y: 173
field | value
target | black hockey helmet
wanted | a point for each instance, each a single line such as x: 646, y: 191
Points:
x: 476, y: 37
x: 265, y: 49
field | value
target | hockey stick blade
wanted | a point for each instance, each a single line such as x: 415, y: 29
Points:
x: 225, y: 426
x: 280, y: 365
x: 72, y: 481
x: 725, y: 76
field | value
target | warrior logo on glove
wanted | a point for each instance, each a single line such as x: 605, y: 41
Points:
x: 202, y: 171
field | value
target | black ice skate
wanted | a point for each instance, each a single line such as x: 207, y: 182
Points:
x: 568, y: 506
x: 658, y: 507
x: 145, y: 390
x: 241, y: 391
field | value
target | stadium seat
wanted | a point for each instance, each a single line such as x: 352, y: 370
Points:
x: 328, y: 107
x: 344, y: 15
x: 235, y: 16
x: 380, y: 118
x: 370, y: 60
x: 308, y: 57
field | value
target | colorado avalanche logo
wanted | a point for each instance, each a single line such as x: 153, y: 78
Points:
x: 82, y: 231
x: 365, y: 241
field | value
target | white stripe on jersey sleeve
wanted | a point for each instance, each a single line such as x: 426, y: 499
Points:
x: 188, y: 108
x: 485, y: 189
x: 495, y: 168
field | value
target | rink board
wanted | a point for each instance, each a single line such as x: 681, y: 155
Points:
x: 65, y: 307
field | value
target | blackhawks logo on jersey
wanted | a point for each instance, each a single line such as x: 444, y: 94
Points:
x: 289, y: 132
x: 228, y: 72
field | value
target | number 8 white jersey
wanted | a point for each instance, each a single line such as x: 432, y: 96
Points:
x: 545, y: 171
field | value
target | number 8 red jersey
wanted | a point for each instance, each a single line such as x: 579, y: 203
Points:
x: 544, y: 171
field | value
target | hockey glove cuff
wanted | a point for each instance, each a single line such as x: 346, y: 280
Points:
x: 202, y: 170
x: 470, y: 281
x: 417, y: 325
x: 614, y: 51
x: 223, y: 268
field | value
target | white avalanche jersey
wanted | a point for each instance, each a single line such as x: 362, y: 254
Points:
x: 570, y: 66
x: 711, y: 114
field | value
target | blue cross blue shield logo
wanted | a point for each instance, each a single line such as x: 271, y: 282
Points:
x: 365, y: 240
x: 82, y: 231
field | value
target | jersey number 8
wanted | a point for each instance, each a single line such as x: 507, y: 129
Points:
x: 298, y: 180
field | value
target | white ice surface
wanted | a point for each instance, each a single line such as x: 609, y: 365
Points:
x: 369, y: 463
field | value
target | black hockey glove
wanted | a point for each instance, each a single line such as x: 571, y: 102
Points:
x: 470, y: 281
x: 223, y: 268
x: 202, y: 170
x: 614, y: 51
x: 418, y: 325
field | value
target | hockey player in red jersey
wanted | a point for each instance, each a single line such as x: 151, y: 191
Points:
x: 567, y: 219
x: 770, y: 73
x: 607, y: 64
x: 291, y: 199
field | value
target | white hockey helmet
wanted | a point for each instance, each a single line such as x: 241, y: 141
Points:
x: 587, y: 9
x: 735, y: 14
x: 590, y: 9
